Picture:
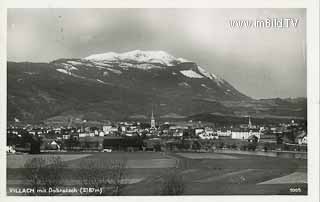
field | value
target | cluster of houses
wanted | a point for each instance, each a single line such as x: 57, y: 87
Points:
x: 53, y: 137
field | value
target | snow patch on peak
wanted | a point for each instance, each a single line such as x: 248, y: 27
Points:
x: 75, y: 63
x: 206, y: 74
x: 63, y: 71
x: 205, y: 86
x: 149, y: 56
x: 102, y: 64
x: 148, y: 66
x: 211, y: 76
x: 139, y: 56
x: 191, y: 74
x: 115, y: 71
x: 182, y: 60
x: 68, y: 67
x: 147, y: 60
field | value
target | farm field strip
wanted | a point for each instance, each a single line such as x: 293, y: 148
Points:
x: 152, y: 163
x: 75, y: 182
x: 206, y: 156
x: 204, y: 173
x: 132, y: 161
x: 129, y: 155
x: 18, y: 161
x: 293, y: 178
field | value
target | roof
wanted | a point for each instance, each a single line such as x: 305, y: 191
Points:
x: 302, y: 134
x: 251, y: 137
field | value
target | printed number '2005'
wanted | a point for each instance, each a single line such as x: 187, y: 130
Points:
x: 295, y: 190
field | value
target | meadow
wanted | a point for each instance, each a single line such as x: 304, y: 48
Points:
x: 202, y: 173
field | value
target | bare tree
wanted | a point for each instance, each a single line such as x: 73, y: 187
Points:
x: 33, y: 170
x: 172, y: 184
x: 108, y: 175
x: 92, y: 174
x: 52, y: 173
x: 117, y: 176
x: 44, y: 172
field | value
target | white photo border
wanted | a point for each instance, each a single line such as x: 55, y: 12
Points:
x: 312, y: 7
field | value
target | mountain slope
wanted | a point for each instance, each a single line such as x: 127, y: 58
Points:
x: 154, y: 71
x: 113, y: 86
x: 117, y: 87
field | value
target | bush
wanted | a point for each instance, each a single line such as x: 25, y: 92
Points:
x: 157, y: 147
x: 91, y: 174
x: 243, y: 147
x: 269, y: 146
x: 252, y: 147
x: 221, y: 145
x: 233, y: 146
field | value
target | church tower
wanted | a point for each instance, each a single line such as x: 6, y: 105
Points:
x: 249, y: 124
x: 153, y: 122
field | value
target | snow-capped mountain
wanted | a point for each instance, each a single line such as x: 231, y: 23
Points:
x: 144, y: 60
x: 117, y: 85
x: 137, y: 56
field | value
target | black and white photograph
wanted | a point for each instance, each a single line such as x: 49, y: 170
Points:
x: 157, y: 102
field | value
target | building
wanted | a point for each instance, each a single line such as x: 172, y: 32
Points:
x: 224, y: 133
x: 251, y: 133
x: 249, y: 125
x: 199, y: 131
x: 66, y: 136
x: 110, y: 129
x: 49, y: 144
x: 207, y: 134
x: 101, y: 133
x: 55, y: 145
x: 10, y: 149
x: 302, y: 138
x: 244, y: 134
x: 268, y: 138
x: 81, y: 135
x: 152, y: 122
x: 91, y: 143
x: 253, y: 138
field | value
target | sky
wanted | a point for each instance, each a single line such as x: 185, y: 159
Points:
x: 260, y: 62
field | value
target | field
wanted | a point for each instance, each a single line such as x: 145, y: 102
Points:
x: 203, y: 173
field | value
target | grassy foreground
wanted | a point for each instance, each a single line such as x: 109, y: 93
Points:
x: 214, y: 174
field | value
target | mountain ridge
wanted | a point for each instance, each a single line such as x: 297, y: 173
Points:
x: 120, y: 89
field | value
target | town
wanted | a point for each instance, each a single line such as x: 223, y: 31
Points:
x: 165, y: 136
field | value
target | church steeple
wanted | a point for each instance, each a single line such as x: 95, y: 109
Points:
x: 152, y: 117
x: 153, y: 122
x: 249, y: 124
